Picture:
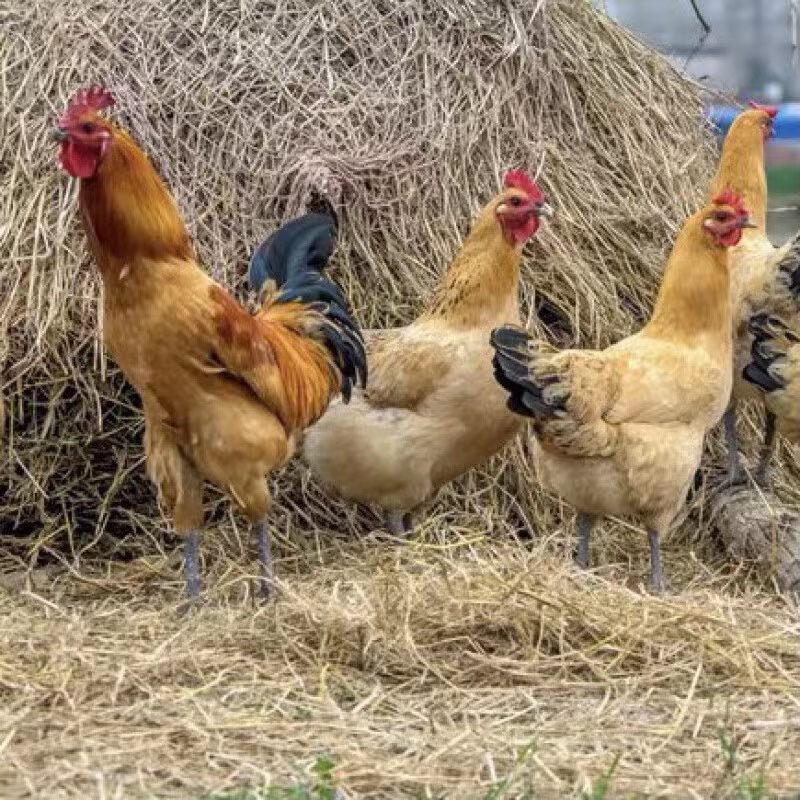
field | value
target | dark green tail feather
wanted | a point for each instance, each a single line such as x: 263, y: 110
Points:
x: 511, y: 363
x: 295, y: 257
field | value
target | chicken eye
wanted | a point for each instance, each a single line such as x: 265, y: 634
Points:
x: 87, y: 127
x: 515, y: 201
x: 721, y: 216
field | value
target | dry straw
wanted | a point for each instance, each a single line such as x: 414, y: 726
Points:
x: 423, y: 669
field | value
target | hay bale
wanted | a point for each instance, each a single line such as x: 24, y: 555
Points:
x: 408, y: 113
x: 759, y: 528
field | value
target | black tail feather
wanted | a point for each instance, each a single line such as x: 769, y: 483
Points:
x: 767, y: 351
x: 758, y: 376
x: 528, y: 396
x: 301, y: 245
x: 295, y: 258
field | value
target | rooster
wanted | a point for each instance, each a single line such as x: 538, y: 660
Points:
x: 762, y: 276
x: 224, y: 393
x: 432, y: 410
x: 775, y: 369
x: 620, y: 431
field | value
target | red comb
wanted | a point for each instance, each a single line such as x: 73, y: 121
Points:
x: 95, y: 98
x: 771, y: 111
x: 729, y: 198
x: 517, y: 179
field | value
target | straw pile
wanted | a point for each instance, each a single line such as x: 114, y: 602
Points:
x: 426, y: 668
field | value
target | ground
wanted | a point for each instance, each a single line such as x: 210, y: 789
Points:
x: 471, y: 665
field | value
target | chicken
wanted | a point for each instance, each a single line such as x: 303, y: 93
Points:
x: 775, y: 369
x: 224, y: 393
x: 760, y: 273
x: 431, y: 410
x: 620, y: 431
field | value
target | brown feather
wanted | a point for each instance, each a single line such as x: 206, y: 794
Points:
x: 128, y: 210
x: 273, y: 352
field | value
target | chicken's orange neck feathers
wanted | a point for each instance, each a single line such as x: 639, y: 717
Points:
x: 741, y: 168
x: 694, y: 298
x: 129, y: 212
x: 483, y: 279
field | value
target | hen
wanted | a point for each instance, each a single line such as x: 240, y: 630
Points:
x: 620, y: 431
x: 432, y: 410
x: 761, y: 274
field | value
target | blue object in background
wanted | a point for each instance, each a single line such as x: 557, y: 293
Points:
x: 786, y: 126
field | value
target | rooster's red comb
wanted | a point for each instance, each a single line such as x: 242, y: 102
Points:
x: 517, y: 179
x: 771, y: 111
x: 729, y: 198
x: 95, y: 98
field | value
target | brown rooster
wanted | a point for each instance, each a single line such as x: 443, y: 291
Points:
x: 432, y: 410
x: 224, y: 393
x: 620, y: 431
x: 763, y: 277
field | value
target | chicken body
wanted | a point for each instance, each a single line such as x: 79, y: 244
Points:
x: 758, y: 270
x: 431, y: 410
x: 620, y: 431
x: 642, y: 427
x: 774, y: 368
x: 202, y: 423
x: 224, y: 393
x: 398, y: 456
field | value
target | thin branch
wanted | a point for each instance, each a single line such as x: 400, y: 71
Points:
x: 706, y: 31
x: 701, y: 19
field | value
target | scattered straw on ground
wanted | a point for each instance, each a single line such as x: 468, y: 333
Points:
x: 466, y: 663
x: 463, y: 668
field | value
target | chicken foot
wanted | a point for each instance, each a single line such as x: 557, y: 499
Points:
x: 585, y: 525
x: 763, y: 476
x: 263, y: 546
x: 735, y: 470
x: 398, y: 522
x: 656, y: 573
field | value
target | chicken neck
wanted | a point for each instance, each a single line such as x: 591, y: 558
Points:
x: 128, y: 212
x: 693, y: 304
x: 741, y: 168
x: 480, y: 287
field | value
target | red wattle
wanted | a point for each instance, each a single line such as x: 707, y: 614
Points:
x: 76, y: 161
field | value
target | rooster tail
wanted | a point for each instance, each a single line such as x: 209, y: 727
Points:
x: 515, y: 353
x: 293, y: 260
x: 771, y: 338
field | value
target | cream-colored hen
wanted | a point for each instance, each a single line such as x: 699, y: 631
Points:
x: 763, y: 277
x: 620, y: 431
x: 432, y: 410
